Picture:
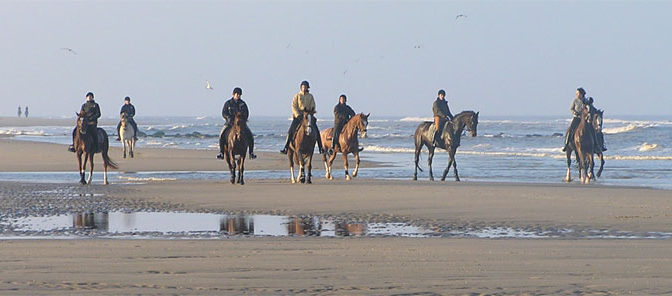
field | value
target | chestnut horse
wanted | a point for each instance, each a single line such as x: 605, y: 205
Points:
x: 302, y: 147
x: 452, y: 132
x: 348, y: 143
x: 83, y: 143
x: 237, y: 145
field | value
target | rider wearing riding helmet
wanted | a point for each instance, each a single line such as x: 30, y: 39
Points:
x: 90, y: 112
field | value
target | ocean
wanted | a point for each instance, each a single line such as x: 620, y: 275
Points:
x: 507, y: 149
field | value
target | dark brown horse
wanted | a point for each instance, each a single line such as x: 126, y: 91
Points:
x: 237, y: 145
x: 348, y: 144
x: 302, y: 147
x: 84, y: 145
x: 585, y: 146
x: 596, y: 124
x: 450, y: 140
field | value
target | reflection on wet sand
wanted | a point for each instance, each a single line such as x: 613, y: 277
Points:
x: 167, y: 223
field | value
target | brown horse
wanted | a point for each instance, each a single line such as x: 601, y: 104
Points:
x: 348, y: 143
x: 237, y: 145
x: 585, y: 146
x: 452, y: 132
x: 302, y: 147
x: 83, y: 143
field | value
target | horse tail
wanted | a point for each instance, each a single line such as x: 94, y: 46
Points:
x: 109, y: 162
x: 105, y: 147
x: 418, y: 146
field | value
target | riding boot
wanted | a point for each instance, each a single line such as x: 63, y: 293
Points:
x: 118, y: 133
x: 222, y: 143
x: 319, y: 139
x: 437, y: 138
x: 290, y: 134
x: 600, y: 137
x: 71, y: 148
x: 135, y: 128
x: 250, y: 141
x: 284, y: 150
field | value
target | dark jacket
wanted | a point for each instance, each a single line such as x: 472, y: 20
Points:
x: 91, y: 111
x: 342, y: 113
x: 440, y: 109
x: 231, y: 107
x: 128, y: 109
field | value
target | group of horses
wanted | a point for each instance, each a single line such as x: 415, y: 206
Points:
x: 302, y: 146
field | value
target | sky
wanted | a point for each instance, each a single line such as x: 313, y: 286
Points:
x: 505, y: 58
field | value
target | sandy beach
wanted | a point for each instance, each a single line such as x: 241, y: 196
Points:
x: 573, y: 264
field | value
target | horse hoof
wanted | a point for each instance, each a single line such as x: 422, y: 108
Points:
x: 309, y: 182
x: 431, y: 179
x: 242, y: 182
x: 106, y: 183
x: 331, y: 177
x: 233, y: 181
x: 443, y: 179
x: 124, y: 156
x: 415, y: 178
x: 347, y: 178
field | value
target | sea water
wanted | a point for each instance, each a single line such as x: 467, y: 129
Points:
x: 507, y: 149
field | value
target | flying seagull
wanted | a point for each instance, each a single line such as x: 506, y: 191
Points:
x: 459, y: 16
x: 207, y: 85
x: 69, y: 50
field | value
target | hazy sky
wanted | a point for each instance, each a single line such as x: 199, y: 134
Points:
x: 390, y: 58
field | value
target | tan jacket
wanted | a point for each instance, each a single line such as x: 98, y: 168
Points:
x: 302, y: 101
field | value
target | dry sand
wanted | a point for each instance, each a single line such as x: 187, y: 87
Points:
x: 352, y: 266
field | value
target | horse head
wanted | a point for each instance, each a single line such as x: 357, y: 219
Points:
x: 124, y: 119
x: 81, y: 123
x: 239, y: 123
x: 307, y: 120
x: 468, y: 120
x: 362, y: 123
x: 598, y: 118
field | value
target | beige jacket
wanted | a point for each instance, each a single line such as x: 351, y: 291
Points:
x: 302, y: 101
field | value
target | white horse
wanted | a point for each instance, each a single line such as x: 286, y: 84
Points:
x: 126, y: 133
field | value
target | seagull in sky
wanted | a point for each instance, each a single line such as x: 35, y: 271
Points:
x: 207, y: 85
x: 69, y: 50
x: 459, y: 16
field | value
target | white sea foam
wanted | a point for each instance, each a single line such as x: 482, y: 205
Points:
x: 23, y: 132
x: 150, y: 179
x: 647, y: 147
x: 625, y: 129
x: 416, y: 119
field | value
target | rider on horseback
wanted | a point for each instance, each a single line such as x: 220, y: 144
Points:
x: 90, y: 112
x: 577, y: 106
x: 342, y: 114
x: 599, y: 134
x: 441, y: 115
x: 129, y: 109
x: 302, y: 101
x: 232, y: 107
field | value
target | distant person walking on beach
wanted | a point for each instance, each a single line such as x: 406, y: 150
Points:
x: 342, y: 114
x: 232, y: 107
x: 18, y: 113
x: 25, y: 112
x: 91, y: 113
x: 129, y: 109
x: 441, y: 115
x: 303, y: 100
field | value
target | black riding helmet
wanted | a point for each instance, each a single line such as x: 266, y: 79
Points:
x: 127, y: 99
x: 89, y: 94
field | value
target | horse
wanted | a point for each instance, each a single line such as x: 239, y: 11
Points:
x: 301, y: 149
x: 237, y: 145
x: 452, y: 132
x: 596, y: 122
x: 348, y: 144
x: 584, y: 147
x: 126, y: 133
x: 83, y: 143
x: 598, y: 118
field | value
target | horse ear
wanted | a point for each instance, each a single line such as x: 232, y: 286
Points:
x: 77, y: 113
x: 367, y: 115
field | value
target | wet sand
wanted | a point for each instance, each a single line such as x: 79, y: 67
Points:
x: 381, y: 266
x: 46, y: 157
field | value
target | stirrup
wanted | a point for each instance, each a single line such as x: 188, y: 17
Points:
x: 283, y: 151
x: 220, y: 156
x: 253, y: 156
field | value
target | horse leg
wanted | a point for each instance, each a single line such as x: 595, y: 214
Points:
x: 302, y: 169
x: 345, y: 165
x: 599, y: 172
x: 591, y: 159
x: 354, y: 173
x: 445, y: 172
x: 241, y: 169
x: 91, y: 172
x: 332, y: 157
x: 131, y: 145
x: 123, y: 143
x: 309, y: 167
x: 452, y: 157
x: 418, y: 149
x: 232, y: 169
x: 82, y: 168
x: 429, y: 163
x: 568, y: 177
x: 326, y: 166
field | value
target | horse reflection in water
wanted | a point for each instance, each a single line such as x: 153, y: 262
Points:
x: 237, y: 225
x: 296, y: 226
x: 99, y: 221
